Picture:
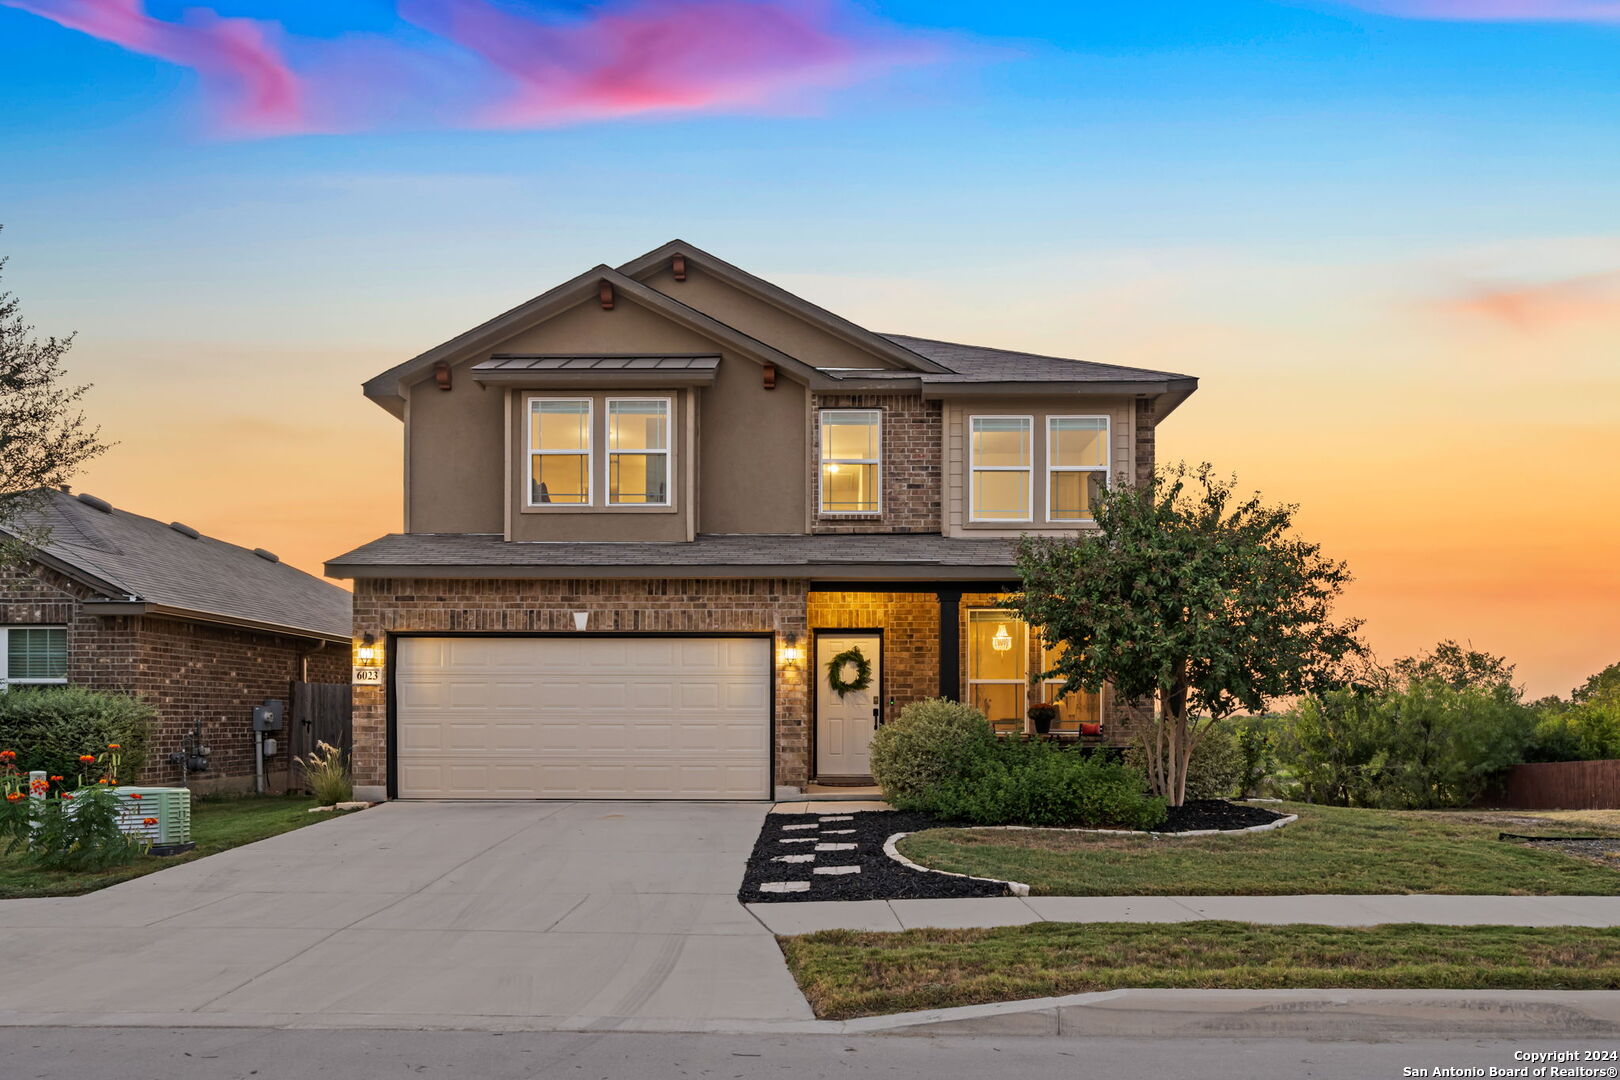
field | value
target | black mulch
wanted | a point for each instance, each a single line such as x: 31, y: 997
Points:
x: 881, y: 878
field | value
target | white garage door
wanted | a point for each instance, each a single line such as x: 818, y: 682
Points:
x: 583, y: 718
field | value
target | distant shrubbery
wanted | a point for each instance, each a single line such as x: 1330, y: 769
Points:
x: 51, y: 726
x: 940, y: 757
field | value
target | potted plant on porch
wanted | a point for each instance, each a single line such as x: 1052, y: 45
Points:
x: 1042, y: 716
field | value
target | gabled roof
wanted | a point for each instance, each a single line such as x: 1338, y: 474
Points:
x: 138, y: 564
x: 388, y: 389
x: 976, y: 363
x: 878, y: 344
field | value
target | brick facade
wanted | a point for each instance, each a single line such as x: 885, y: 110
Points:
x: 186, y: 671
x: 1147, y: 412
x: 913, y: 452
x: 910, y: 625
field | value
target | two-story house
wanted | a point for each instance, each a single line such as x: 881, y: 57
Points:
x: 645, y: 510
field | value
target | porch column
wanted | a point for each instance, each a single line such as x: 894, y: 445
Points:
x: 950, y: 643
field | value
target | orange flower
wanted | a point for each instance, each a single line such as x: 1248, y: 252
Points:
x: 66, y: 795
x: 14, y: 796
x: 56, y: 779
x: 114, y: 746
x: 87, y: 758
x: 103, y: 780
x: 134, y: 794
x: 8, y: 755
x: 149, y: 821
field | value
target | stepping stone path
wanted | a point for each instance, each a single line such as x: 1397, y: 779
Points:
x: 836, y: 870
x: 840, y: 817
x: 784, y: 886
x: 787, y: 828
x: 839, y: 832
x: 798, y: 840
x: 835, y: 847
x: 794, y: 858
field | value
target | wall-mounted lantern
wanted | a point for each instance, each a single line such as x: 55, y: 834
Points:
x: 792, y: 653
x: 368, y: 662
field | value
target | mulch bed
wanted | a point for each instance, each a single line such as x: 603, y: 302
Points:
x: 881, y: 878
x: 1603, y: 848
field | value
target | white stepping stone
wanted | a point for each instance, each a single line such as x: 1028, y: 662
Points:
x: 838, y: 832
x: 835, y: 847
x: 784, y: 886
x: 798, y: 840
x: 837, y: 870
x: 811, y: 825
x: 794, y: 858
x: 840, y: 817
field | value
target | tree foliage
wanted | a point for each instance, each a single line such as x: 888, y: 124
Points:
x: 1191, y: 594
x: 44, y: 437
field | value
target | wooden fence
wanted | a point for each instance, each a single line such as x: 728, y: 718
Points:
x: 320, y: 712
x: 1560, y: 785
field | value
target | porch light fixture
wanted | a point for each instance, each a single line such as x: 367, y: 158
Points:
x: 791, y: 653
x: 1002, y: 641
x: 368, y: 654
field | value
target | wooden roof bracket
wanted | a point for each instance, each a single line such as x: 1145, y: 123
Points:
x: 441, y: 374
x: 605, y: 294
x: 770, y: 375
x: 678, y: 265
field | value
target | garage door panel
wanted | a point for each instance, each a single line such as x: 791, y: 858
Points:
x: 655, y: 718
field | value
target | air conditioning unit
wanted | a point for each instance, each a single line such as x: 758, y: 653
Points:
x: 170, y: 833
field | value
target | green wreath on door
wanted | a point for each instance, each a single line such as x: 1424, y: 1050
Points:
x: 863, y: 671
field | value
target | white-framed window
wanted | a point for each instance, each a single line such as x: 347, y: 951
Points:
x: 1002, y: 480
x: 638, y: 451
x: 1076, y: 465
x: 33, y: 656
x: 1080, y: 707
x: 851, y: 461
x: 559, y: 450
x: 998, y: 667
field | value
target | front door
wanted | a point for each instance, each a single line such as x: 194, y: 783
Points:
x: 845, y: 722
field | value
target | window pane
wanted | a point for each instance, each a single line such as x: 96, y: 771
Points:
x: 849, y: 489
x: 560, y: 478
x: 36, y: 653
x: 1073, y: 494
x: 638, y: 425
x: 986, y: 630
x: 1000, y: 441
x: 559, y: 425
x: 1078, y: 440
x: 1001, y: 495
x: 999, y: 701
x: 1074, y: 709
x: 638, y: 478
x: 849, y: 436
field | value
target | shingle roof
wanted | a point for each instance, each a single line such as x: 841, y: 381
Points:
x: 597, y: 364
x: 910, y: 554
x: 139, y: 558
x: 975, y: 363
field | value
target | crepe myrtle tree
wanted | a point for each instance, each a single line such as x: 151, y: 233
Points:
x: 44, y: 438
x: 1192, y: 596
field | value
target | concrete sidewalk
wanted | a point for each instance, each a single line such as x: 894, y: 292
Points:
x: 808, y: 917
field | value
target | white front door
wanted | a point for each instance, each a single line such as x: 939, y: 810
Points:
x: 844, y: 724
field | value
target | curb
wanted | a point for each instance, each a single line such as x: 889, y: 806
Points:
x: 1014, y: 888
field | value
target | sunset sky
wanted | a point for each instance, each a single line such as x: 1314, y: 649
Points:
x: 1384, y: 233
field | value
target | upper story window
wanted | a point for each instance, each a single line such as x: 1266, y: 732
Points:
x: 560, y: 451
x: 638, y: 451
x: 1002, y: 481
x: 33, y: 656
x: 851, y: 461
x: 1076, y: 465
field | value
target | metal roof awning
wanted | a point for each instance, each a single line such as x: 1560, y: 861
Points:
x: 608, y: 370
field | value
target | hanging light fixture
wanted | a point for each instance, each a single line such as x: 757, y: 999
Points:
x: 1002, y: 641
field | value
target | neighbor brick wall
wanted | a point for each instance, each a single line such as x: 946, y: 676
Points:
x: 777, y: 605
x: 1145, y: 450
x: 913, y: 453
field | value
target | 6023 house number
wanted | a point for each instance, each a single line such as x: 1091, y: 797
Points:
x: 372, y: 676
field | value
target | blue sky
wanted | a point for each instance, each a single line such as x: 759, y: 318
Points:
x: 1314, y: 207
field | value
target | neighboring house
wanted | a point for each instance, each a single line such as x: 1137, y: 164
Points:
x: 200, y: 629
x: 645, y: 509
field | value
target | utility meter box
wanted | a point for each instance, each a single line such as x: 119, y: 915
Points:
x: 267, y: 717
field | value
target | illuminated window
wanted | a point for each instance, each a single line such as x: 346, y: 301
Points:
x: 851, y: 455
x: 559, y: 451
x: 1076, y: 465
x: 638, y: 451
x: 998, y: 667
x: 1001, y: 472
x: 1080, y: 707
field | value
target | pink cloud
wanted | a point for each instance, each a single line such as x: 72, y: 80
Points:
x: 1594, y: 11
x: 504, y: 66
x: 240, y: 67
x: 1542, y: 305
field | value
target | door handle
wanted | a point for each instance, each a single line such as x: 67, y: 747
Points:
x: 877, y: 717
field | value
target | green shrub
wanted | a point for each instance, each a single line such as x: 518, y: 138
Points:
x: 50, y: 727
x: 1216, y: 768
x: 1257, y: 748
x: 928, y: 742
x: 1038, y: 783
x: 1585, y: 732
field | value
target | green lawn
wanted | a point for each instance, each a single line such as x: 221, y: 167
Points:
x: 216, y: 824
x: 846, y: 974
x: 1328, y: 850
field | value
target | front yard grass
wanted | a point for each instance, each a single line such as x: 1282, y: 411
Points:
x: 1328, y: 850
x: 846, y: 974
x: 217, y: 824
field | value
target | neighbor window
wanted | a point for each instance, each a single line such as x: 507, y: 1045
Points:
x: 1002, y: 474
x: 851, y: 461
x: 559, y: 451
x: 1076, y: 465
x: 1080, y: 707
x: 998, y: 667
x: 33, y: 656
x: 638, y: 451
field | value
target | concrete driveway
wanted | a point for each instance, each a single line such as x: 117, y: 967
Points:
x: 479, y: 915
